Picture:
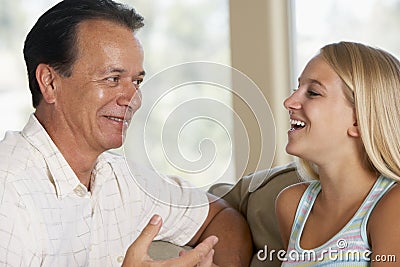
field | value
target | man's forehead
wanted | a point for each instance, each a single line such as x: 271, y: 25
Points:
x: 96, y: 33
x: 103, y: 28
x: 103, y: 46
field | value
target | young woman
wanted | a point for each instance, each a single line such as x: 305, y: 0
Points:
x: 345, y: 130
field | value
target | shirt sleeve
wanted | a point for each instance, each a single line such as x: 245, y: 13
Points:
x: 185, y: 219
x: 182, y: 206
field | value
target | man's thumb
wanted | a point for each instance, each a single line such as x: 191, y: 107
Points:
x: 142, y: 243
x: 137, y: 252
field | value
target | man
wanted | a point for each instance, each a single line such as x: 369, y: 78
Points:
x: 65, y: 200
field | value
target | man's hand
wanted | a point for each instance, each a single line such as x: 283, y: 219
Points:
x: 137, y: 254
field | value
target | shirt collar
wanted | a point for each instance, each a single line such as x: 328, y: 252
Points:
x: 61, y: 174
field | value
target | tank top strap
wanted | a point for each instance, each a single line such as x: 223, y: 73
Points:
x: 380, y: 188
x: 303, y: 209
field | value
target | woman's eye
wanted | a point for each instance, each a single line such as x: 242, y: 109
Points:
x: 312, y: 93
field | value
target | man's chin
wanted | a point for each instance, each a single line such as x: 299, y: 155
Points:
x: 114, y: 142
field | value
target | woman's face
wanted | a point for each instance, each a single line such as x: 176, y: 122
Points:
x: 320, y: 115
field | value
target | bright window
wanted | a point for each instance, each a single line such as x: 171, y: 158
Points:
x: 373, y: 22
x: 177, y: 130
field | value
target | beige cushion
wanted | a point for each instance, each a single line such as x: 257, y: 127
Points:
x: 160, y: 250
x: 254, y: 196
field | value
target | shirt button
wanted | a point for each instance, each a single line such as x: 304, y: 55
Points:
x: 80, y: 191
x: 120, y: 259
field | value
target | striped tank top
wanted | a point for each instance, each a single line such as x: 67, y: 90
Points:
x: 349, y: 247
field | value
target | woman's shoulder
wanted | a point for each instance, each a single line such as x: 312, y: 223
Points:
x: 383, y: 224
x: 292, y: 192
x: 388, y: 207
x: 286, y: 205
x: 289, y: 198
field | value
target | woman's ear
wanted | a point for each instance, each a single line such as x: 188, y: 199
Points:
x: 45, y: 75
x: 353, y: 131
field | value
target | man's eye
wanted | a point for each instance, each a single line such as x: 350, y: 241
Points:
x: 137, y: 82
x: 113, y: 79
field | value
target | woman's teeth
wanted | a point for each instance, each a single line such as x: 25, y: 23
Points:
x: 297, y: 123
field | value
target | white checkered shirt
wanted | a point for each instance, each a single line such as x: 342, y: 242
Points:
x: 48, y: 218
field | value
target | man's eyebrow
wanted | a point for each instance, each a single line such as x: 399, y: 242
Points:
x: 110, y: 70
x: 121, y: 70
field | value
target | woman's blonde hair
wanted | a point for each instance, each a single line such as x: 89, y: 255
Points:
x: 372, y: 84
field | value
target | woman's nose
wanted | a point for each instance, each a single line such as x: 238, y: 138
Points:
x: 293, y: 101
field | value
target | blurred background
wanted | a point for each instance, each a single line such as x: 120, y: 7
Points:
x: 268, y: 41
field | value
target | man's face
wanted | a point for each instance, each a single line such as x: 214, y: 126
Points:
x: 94, y: 103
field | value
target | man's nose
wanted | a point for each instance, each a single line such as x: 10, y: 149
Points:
x: 136, y: 100
x: 130, y: 96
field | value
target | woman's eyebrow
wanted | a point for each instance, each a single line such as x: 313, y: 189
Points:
x: 313, y: 81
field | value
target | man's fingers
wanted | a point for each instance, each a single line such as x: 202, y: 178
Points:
x: 142, y: 243
x: 200, y: 254
x: 206, y: 245
x: 182, y: 252
x: 208, y: 260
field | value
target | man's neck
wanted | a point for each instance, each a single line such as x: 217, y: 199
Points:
x: 80, y: 157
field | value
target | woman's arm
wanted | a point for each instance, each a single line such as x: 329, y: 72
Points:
x: 384, y: 230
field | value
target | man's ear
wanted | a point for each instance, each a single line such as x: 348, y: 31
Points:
x: 46, y: 75
x: 353, y: 131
